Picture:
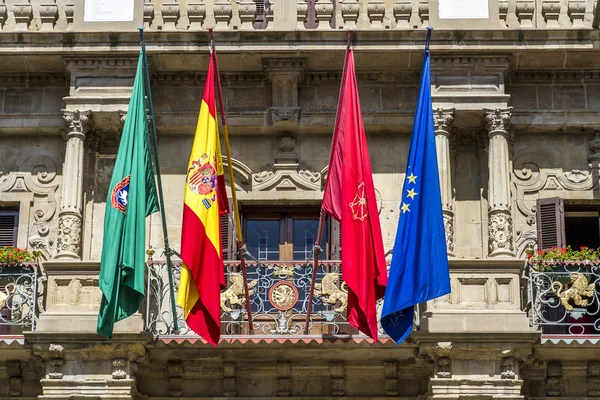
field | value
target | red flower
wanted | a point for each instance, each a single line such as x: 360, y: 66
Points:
x: 554, y: 248
x: 529, y: 255
x: 540, y: 252
x: 583, y: 248
x: 563, y: 250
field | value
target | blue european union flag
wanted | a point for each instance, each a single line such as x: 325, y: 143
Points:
x: 419, y: 268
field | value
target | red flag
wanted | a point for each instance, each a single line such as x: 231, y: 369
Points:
x: 350, y: 198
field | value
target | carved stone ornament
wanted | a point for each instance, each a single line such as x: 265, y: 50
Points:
x: 554, y: 378
x: 324, y: 12
x: 337, y: 370
x: 69, y: 14
x: 170, y: 14
x: 149, y: 14
x: 247, y: 13
x: 286, y: 177
x: 449, y: 230
x: 500, y: 232
x: 498, y: 120
x: 196, y: 14
x: 23, y: 15
x: 284, y: 380
x: 442, y: 120
x: 444, y: 368
x: 391, y: 369
x: 576, y: 11
x: 507, y: 365
x: 503, y: 12
x: 229, y: 381
x: 551, y: 12
x: 376, y: 13
x: 350, y: 11
x: 15, y: 378
x: 301, y: 13
x: 402, y: 11
x: 525, y: 10
x: 222, y: 10
x: 78, y: 122
x: 175, y: 378
x: 48, y: 16
x: 3, y: 15
x: 69, y: 233
x: 55, y: 364
x: 424, y: 13
x: 118, y: 368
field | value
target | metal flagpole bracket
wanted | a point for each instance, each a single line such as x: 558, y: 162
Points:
x: 428, y: 38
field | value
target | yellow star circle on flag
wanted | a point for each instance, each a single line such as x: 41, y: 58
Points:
x: 412, y: 194
x: 412, y: 178
x: 405, y: 208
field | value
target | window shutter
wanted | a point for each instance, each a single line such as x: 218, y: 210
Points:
x: 228, y: 239
x: 9, y: 221
x: 336, y: 239
x: 260, y: 20
x: 550, y: 219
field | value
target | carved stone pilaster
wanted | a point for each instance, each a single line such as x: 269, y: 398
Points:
x: 391, y: 369
x: 301, y: 13
x: 402, y: 12
x: 337, y: 370
x: 70, y: 220
x: 15, y: 378
x: 48, y: 16
x: 554, y: 378
x: 500, y: 227
x: 503, y: 12
x: 196, y: 14
x: 247, y: 13
x: 222, y: 10
x: 551, y: 12
x: 507, y: 367
x: 443, y: 119
x: 23, y: 15
x: 576, y: 11
x: 69, y: 14
x: 149, y: 14
x: 376, y: 12
x: 324, y: 12
x: 170, y: 14
x: 525, y: 11
x: 284, y: 380
x: 56, y: 362
x: 229, y: 380
x: 593, y: 379
x: 424, y: 13
x: 175, y: 378
x: 3, y: 15
x: 350, y: 11
x: 443, y: 366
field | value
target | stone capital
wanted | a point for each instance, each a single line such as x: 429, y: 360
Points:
x: 78, y: 123
x: 497, y: 120
x: 442, y: 120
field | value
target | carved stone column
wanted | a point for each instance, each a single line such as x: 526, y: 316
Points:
x: 443, y: 123
x: 500, y: 229
x: 69, y: 217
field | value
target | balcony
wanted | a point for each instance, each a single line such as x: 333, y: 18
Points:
x: 279, y: 294
x: 563, y: 296
x: 18, y: 297
x: 288, y: 15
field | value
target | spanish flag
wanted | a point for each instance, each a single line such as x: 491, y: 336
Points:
x: 205, y: 200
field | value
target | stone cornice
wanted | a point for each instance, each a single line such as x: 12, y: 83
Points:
x: 471, y: 62
x: 95, y: 64
x: 550, y: 76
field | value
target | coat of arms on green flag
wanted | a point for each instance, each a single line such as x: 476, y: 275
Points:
x: 131, y: 198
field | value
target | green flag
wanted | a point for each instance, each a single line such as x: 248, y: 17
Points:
x: 131, y: 198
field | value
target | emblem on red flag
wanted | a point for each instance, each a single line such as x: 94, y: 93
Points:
x: 359, y: 203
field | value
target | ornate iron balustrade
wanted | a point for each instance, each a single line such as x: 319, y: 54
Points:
x: 563, y: 297
x: 279, y: 294
x: 18, y: 297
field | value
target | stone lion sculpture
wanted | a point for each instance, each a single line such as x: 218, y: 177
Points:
x: 235, y: 293
x: 580, y: 288
x: 330, y: 293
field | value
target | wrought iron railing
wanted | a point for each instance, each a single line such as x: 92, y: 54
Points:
x: 18, y: 297
x: 279, y: 293
x: 564, y: 297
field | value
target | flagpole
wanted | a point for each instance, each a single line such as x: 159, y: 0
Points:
x: 236, y: 212
x: 317, y: 250
x: 161, y: 203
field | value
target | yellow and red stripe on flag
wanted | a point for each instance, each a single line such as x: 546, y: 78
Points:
x: 205, y: 200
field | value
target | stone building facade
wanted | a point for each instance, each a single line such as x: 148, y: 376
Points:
x: 516, y: 100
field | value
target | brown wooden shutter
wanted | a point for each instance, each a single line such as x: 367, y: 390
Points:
x: 550, y: 218
x: 228, y: 240
x: 260, y: 20
x: 335, y: 235
x: 9, y: 220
